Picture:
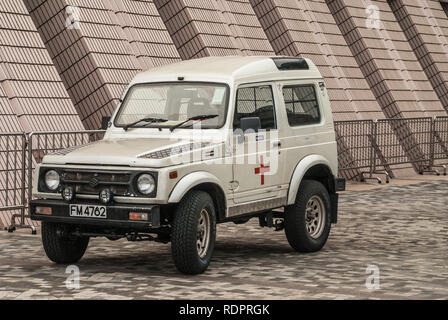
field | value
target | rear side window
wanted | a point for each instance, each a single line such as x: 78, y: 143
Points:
x: 255, y: 102
x: 301, y: 104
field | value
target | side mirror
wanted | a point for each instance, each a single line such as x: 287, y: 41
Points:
x: 105, y: 123
x: 250, y: 123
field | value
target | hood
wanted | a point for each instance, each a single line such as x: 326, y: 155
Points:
x: 154, y: 152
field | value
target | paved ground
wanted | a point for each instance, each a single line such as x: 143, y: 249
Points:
x: 401, y: 229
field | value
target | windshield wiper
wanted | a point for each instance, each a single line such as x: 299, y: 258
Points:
x: 148, y: 120
x: 195, y: 118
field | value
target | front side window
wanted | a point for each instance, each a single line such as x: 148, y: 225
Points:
x: 301, y: 104
x: 175, y: 103
x: 255, y: 102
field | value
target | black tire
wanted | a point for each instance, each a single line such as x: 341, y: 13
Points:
x: 184, y: 233
x: 62, y: 250
x: 295, y: 218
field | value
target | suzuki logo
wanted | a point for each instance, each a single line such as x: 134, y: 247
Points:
x: 94, y: 182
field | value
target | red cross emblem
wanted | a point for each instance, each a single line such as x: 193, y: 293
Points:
x: 262, y: 170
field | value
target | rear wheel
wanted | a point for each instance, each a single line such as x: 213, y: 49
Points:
x: 308, y: 220
x: 59, y: 248
x: 193, y: 233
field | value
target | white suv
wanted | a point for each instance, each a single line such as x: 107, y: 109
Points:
x: 192, y: 144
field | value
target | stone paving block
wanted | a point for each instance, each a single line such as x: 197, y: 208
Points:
x: 402, y: 229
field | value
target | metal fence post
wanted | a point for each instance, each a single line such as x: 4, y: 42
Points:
x: 432, y: 140
x: 23, y: 187
x: 374, y: 143
x: 30, y: 166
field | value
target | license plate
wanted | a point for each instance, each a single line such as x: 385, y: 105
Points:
x: 88, y: 211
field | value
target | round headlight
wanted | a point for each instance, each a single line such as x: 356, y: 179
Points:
x: 146, y: 184
x: 52, y: 180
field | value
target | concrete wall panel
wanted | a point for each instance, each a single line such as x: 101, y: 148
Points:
x: 386, y: 59
x: 202, y: 28
x: 306, y: 28
x: 28, y: 78
x: 426, y: 28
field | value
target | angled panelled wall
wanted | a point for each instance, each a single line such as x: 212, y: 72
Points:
x: 306, y: 28
x: 202, y: 28
x: 97, y: 56
x: 28, y: 78
x: 425, y: 26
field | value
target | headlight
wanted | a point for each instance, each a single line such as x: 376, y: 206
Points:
x: 146, y: 184
x: 52, y: 180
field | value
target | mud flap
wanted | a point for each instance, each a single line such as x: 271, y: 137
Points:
x: 334, y: 198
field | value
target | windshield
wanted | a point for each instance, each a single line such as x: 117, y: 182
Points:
x: 174, y: 102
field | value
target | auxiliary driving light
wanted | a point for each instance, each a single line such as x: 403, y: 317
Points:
x: 106, y: 196
x: 68, y: 193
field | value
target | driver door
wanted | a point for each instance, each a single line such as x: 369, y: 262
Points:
x: 255, y: 151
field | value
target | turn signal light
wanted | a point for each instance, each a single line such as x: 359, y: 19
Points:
x: 138, y: 216
x: 173, y: 175
x: 44, y: 210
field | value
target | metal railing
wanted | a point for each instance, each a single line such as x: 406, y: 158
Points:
x: 376, y: 146
x: 39, y: 144
x: 25, y: 151
x: 13, y: 182
x: 440, y: 140
x: 367, y: 149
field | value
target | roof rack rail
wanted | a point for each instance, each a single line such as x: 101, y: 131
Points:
x: 290, y: 63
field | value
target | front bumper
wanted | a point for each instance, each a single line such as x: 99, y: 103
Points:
x: 117, y: 215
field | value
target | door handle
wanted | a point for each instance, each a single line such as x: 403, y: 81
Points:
x: 277, y: 144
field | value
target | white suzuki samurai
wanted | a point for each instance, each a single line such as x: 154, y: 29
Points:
x: 193, y: 144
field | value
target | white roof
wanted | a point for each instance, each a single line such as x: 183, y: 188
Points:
x: 227, y: 69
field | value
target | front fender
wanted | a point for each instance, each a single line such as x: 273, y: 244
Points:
x: 304, y: 165
x: 190, y: 181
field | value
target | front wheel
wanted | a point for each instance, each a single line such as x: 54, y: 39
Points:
x: 59, y: 248
x: 193, y: 233
x: 308, y: 220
